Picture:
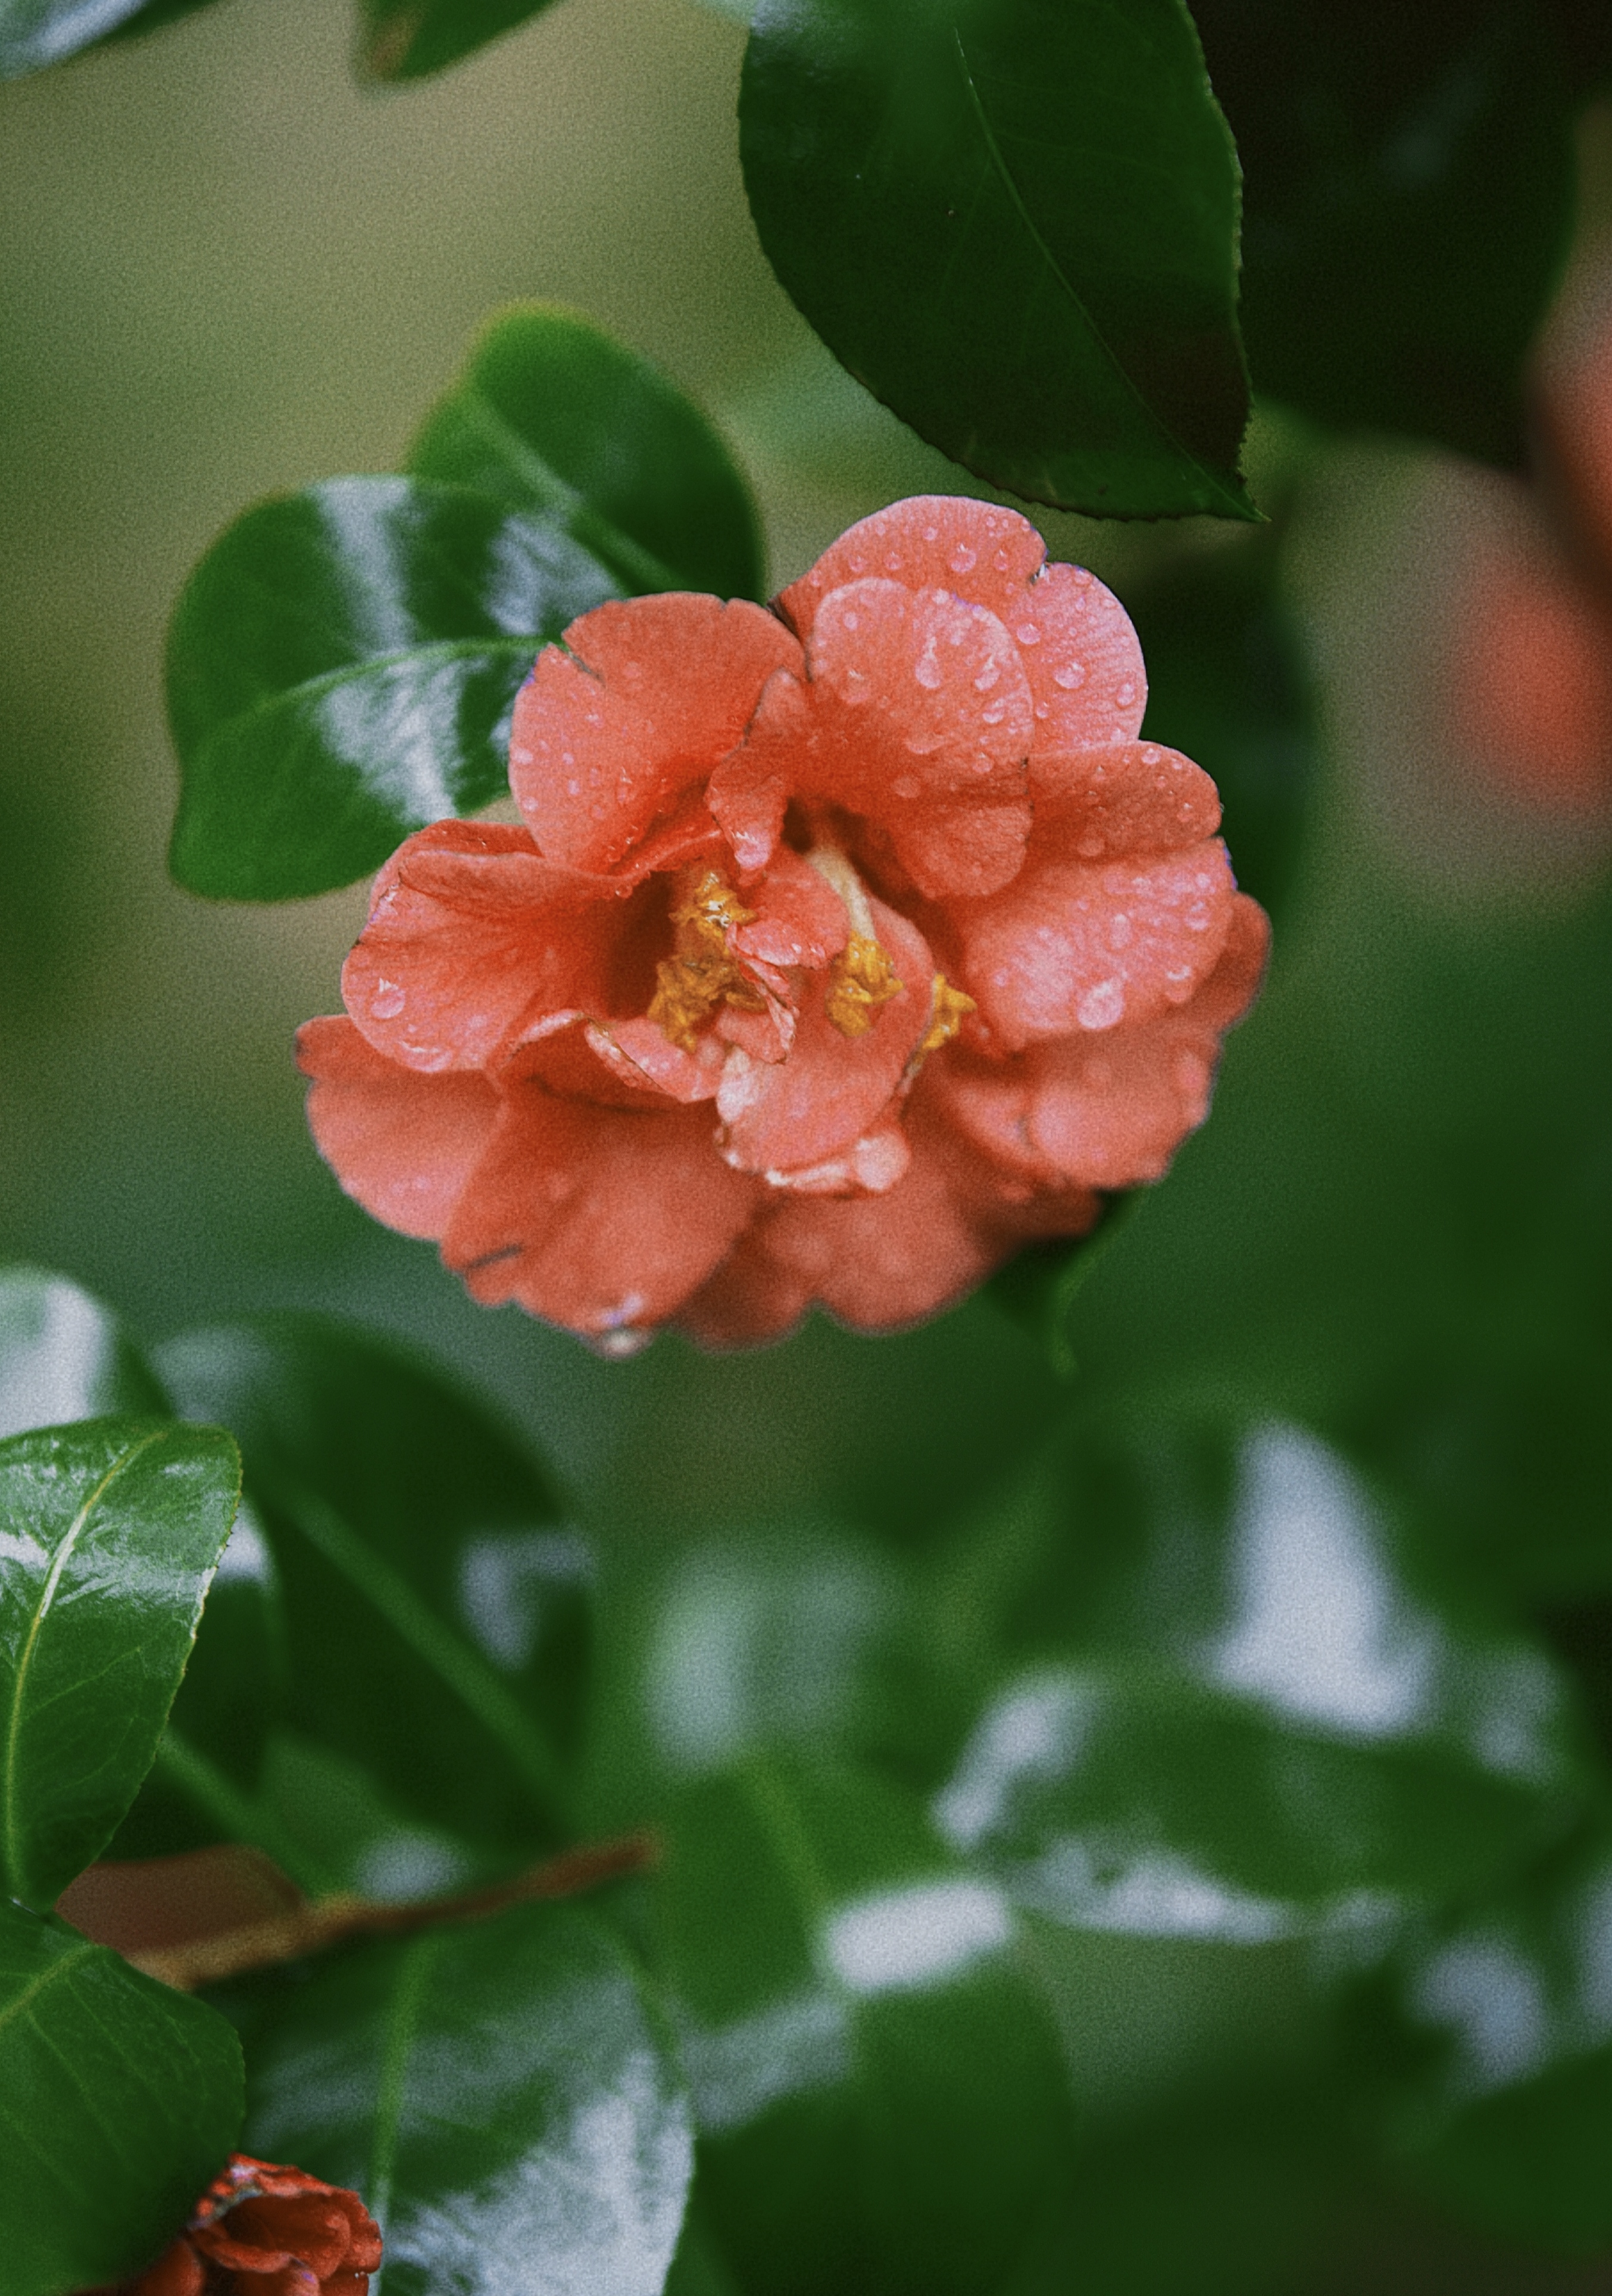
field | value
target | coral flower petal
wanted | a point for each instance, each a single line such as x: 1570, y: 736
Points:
x: 653, y: 693
x: 796, y: 916
x: 602, y: 1222
x: 401, y: 1144
x: 473, y: 937
x: 831, y: 1090
x: 1136, y: 797
x: 1075, y: 945
x: 942, y: 542
x: 1081, y: 654
x: 178, y: 2271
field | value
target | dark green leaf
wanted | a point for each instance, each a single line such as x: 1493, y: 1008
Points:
x: 557, y: 420
x: 1511, y: 2122
x: 501, y: 2095
x: 436, y: 1611
x: 119, y: 2101
x: 1246, y: 1716
x: 1409, y: 193
x: 211, y: 1762
x: 877, y: 2083
x: 63, y: 1355
x: 34, y: 33
x: 409, y: 39
x: 113, y: 1528
x: 342, y: 667
x: 1015, y: 222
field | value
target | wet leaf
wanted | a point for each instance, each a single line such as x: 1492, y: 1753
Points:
x: 119, y: 2101
x: 342, y: 667
x: 501, y: 2094
x: 113, y: 1528
x: 63, y: 1355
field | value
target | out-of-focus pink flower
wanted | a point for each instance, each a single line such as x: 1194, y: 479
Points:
x: 263, y: 2230
x: 844, y: 947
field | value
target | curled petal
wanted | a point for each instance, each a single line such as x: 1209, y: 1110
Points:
x: 403, y: 1144
x: 796, y: 916
x: 962, y: 851
x: 832, y: 1088
x: 604, y: 1220
x: 1073, y: 945
x: 178, y: 2271
x: 472, y: 938
x: 653, y: 693
x: 640, y: 1054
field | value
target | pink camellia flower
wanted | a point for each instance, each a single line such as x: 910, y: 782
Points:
x: 845, y: 947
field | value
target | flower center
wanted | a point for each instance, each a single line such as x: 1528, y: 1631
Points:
x: 700, y: 975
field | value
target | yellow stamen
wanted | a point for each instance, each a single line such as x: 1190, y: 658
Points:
x: 860, y: 978
x: 701, y: 974
x: 947, y: 1006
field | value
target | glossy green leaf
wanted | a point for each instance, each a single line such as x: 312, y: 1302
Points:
x: 341, y: 666
x: 557, y: 420
x: 1510, y: 2122
x: 410, y: 39
x: 1409, y: 188
x: 501, y: 2094
x: 34, y: 33
x: 119, y: 2101
x: 63, y: 1355
x: 1015, y: 222
x: 877, y: 2083
x: 112, y: 1531
x: 436, y: 1608
x: 1248, y: 1717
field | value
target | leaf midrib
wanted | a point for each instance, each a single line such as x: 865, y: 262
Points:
x: 63, y: 1555
x: 432, y: 651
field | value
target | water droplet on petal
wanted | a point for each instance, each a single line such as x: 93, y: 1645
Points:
x: 994, y: 715
x: 1069, y: 677
x: 388, y: 1001
x: 1101, y: 1005
x: 1119, y: 930
x: 850, y: 621
x: 963, y: 559
x: 1128, y: 692
x: 926, y: 669
x: 1027, y: 633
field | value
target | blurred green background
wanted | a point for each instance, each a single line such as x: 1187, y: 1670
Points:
x: 225, y: 270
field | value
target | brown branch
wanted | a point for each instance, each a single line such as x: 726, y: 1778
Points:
x: 310, y: 1927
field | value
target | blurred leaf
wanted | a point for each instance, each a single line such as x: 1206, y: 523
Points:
x: 113, y: 1529
x: 34, y: 33
x: 501, y: 2094
x: 1015, y: 222
x: 153, y: 16
x: 342, y: 667
x: 1227, y: 685
x: 437, y: 1614
x: 410, y: 39
x: 1244, y: 1715
x: 119, y: 2103
x: 559, y: 421
x: 1409, y: 193
x: 1510, y: 2125
x: 876, y: 2082
x: 63, y: 1355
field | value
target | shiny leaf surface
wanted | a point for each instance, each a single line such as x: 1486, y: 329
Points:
x: 1409, y: 184
x: 120, y: 2100
x: 1511, y: 2122
x: 63, y: 1355
x: 435, y: 1609
x: 341, y: 666
x: 876, y: 2080
x: 1015, y: 222
x: 34, y: 33
x: 500, y: 2094
x: 558, y: 421
x: 113, y: 1528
